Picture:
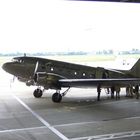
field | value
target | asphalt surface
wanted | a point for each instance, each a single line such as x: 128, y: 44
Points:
x: 78, y: 117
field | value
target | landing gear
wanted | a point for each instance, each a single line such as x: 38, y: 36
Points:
x: 56, y: 97
x: 38, y: 93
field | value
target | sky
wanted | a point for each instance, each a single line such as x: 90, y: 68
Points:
x: 60, y: 25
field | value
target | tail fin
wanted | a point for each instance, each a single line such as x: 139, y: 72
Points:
x: 135, y: 70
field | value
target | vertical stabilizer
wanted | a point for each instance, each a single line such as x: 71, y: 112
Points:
x: 135, y: 70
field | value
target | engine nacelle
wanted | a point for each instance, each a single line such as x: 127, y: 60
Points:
x: 48, y: 80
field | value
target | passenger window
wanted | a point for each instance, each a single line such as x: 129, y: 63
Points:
x: 52, y: 69
x: 84, y: 74
x: 75, y: 73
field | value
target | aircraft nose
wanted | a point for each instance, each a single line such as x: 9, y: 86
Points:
x: 6, y: 66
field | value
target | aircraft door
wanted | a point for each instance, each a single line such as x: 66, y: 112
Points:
x: 99, y: 73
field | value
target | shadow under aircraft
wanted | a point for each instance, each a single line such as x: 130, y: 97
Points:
x: 53, y: 74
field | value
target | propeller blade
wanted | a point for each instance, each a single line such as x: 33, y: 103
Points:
x: 35, y: 77
x: 36, y: 67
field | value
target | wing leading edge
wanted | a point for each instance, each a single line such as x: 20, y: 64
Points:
x: 102, y: 82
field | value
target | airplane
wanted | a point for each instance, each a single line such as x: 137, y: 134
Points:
x: 54, y: 74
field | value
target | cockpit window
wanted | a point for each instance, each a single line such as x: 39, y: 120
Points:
x: 21, y: 61
x: 17, y: 60
x: 14, y: 60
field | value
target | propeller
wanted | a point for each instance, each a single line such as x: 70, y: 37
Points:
x: 35, y: 76
x: 36, y: 67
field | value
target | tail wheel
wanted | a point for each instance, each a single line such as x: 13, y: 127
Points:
x: 38, y: 93
x: 56, y: 97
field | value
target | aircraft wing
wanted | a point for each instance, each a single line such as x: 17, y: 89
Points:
x: 102, y: 82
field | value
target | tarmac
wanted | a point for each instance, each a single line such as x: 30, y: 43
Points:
x: 78, y: 117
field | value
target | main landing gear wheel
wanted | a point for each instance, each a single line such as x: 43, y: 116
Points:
x: 38, y: 93
x: 56, y: 97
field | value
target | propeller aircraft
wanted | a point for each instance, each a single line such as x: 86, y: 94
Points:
x: 54, y: 74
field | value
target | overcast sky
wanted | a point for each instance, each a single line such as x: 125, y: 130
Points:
x: 58, y: 25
